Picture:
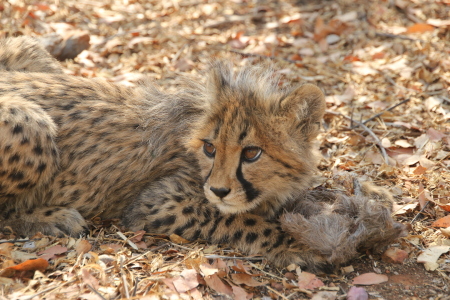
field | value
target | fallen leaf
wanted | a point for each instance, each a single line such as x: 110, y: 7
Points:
x: 50, y: 252
x: 369, y: 279
x: 241, y: 278
x: 240, y: 267
x: 419, y: 170
x: 324, y: 295
x: 435, y: 135
x: 400, y: 209
x: 430, y: 256
x: 403, y: 143
x: 214, y: 282
x: 240, y: 293
x: 419, y: 28
x: 208, y: 270
x: 309, y: 281
x: 89, y: 279
x: 438, y: 22
x: 29, y: 265
x: 357, y: 293
x: 178, y: 239
x: 442, y: 222
x: 186, y: 281
x: 394, y: 255
x: 5, y: 249
x: 446, y: 232
x: 83, y: 246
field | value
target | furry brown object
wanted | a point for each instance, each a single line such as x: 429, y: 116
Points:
x: 336, y: 226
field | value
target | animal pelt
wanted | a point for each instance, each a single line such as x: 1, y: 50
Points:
x: 338, y: 226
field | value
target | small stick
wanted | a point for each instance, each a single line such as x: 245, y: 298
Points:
x: 420, y: 212
x: 95, y: 291
x: 387, y: 109
x: 267, y: 273
x: 373, y: 135
x: 277, y: 293
x: 119, y: 233
x: 397, y: 36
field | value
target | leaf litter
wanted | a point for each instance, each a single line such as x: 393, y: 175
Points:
x: 387, y: 59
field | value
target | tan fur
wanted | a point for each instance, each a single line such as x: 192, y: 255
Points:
x: 337, y: 226
x: 73, y: 148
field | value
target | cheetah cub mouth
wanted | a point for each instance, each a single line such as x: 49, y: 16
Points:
x: 254, y: 142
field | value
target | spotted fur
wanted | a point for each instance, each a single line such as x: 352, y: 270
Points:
x: 73, y: 148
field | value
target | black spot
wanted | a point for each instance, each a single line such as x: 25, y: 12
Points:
x: 242, y: 135
x: 178, y: 198
x: 225, y: 239
x: 250, y: 191
x: 29, y: 211
x: 237, y: 236
x: 13, y: 111
x: 164, y: 221
x: 25, y: 185
x: 265, y: 244
x: 149, y: 206
x: 180, y: 230
x: 279, y: 241
x: 196, y: 235
x: 251, y: 237
x: 24, y: 141
x: 7, y: 148
x: 38, y: 150
x: 214, y: 226
x: 204, y: 223
x: 14, y: 158
x: 16, y: 176
x: 290, y: 241
x: 154, y: 211
x: 68, y: 106
x: 230, y: 220
x: 267, y: 232
x: 250, y: 222
x: 48, y: 212
x: 188, y: 210
x: 17, y: 129
x: 41, y: 168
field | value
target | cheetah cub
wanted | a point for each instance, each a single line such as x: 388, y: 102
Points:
x: 214, y: 161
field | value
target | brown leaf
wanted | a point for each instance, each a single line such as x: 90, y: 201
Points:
x: 419, y: 28
x: 369, y: 279
x: 240, y: 293
x: 308, y: 281
x: 29, y: 265
x: 208, y: 270
x: 241, y: 278
x: 89, y: 279
x: 50, y: 252
x: 83, y: 246
x: 186, y: 281
x: 240, y: 267
x: 5, y: 249
x: 442, y: 222
x: 178, y: 239
x: 214, y: 282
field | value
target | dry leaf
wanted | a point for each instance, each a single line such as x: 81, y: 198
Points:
x: 186, y: 281
x: 241, y: 278
x: 430, y: 256
x: 442, y: 222
x: 240, y: 294
x: 89, y: 279
x: 83, y: 246
x: 29, y: 265
x: 419, y: 28
x: 214, y: 282
x: 178, y: 239
x: 369, y: 279
x: 5, y: 249
x: 208, y: 270
x: 309, y: 281
x: 50, y: 252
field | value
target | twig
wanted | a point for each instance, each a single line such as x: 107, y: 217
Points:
x: 383, y: 111
x: 18, y: 241
x: 397, y: 36
x: 119, y: 233
x: 277, y: 293
x: 246, y: 54
x: 420, y: 212
x: 95, y: 291
x: 373, y: 135
x: 267, y: 273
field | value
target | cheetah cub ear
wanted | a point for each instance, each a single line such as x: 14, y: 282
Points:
x: 302, y: 110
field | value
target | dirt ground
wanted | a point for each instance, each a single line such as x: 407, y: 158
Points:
x: 367, y: 56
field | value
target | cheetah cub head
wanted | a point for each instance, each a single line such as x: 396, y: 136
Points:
x: 254, y: 143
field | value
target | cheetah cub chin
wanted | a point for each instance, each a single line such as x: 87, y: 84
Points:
x: 215, y: 161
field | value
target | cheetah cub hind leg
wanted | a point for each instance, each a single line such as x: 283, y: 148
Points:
x: 26, y: 54
x: 28, y: 164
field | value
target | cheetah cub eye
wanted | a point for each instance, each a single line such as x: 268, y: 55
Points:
x: 209, y: 149
x: 251, y: 154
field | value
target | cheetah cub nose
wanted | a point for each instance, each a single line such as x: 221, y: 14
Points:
x: 220, y: 192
